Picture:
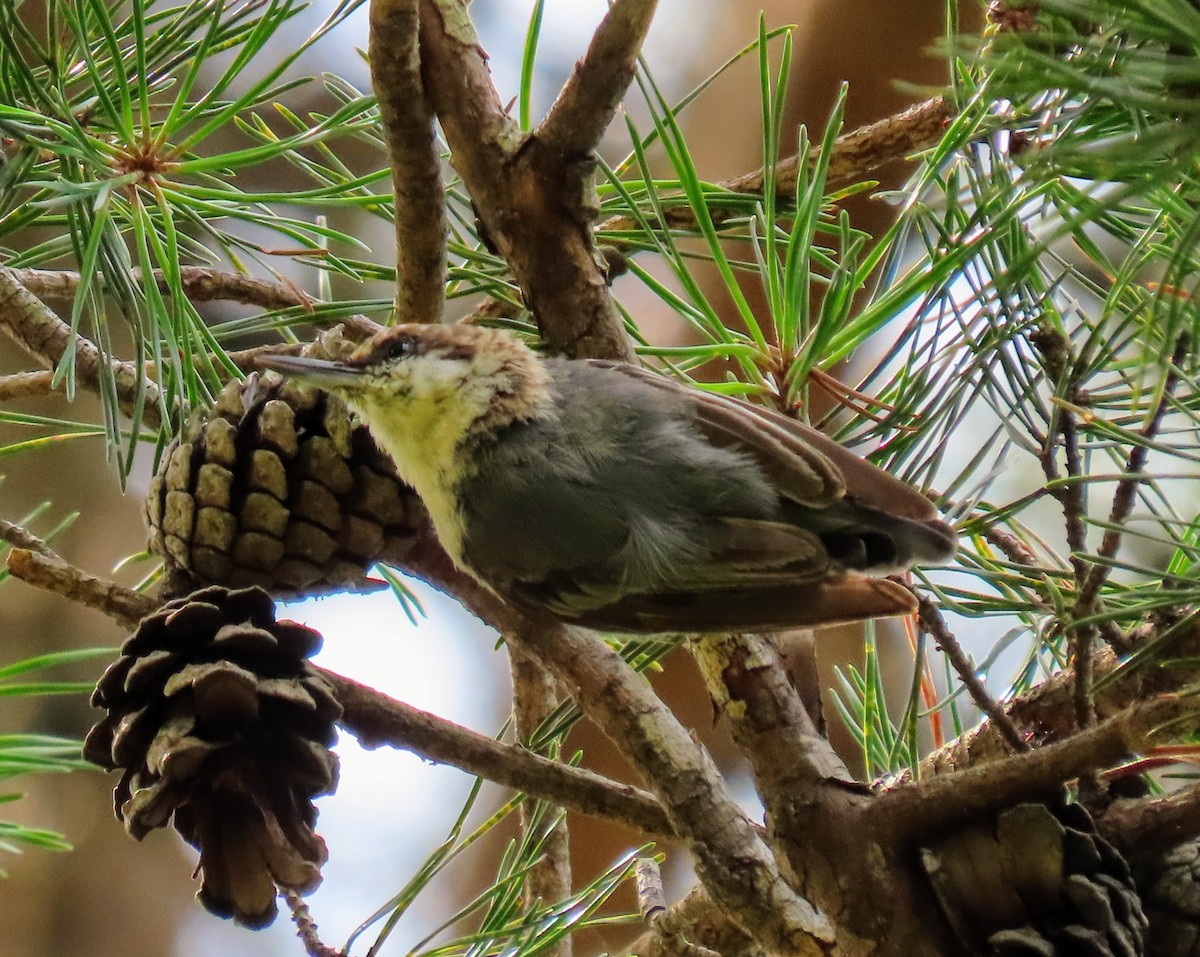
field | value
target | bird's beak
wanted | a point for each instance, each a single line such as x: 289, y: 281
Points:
x: 321, y: 373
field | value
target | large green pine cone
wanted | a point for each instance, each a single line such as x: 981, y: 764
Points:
x: 275, y: 487
x: 1037, y: 881
x: 219, y: 726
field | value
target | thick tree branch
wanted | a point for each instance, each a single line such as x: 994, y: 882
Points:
x: 588, y: 100
x: 751, y: 688
x: 820, y: 820
x: 420, y: 205
x: 731, y: 858
x: 535, y: 203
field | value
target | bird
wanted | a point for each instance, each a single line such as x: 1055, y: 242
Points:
x: 606, y: 495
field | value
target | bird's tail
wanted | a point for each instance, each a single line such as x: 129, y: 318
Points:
x: 863, y: 538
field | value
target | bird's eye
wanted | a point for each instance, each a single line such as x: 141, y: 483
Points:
x: 402, y: 348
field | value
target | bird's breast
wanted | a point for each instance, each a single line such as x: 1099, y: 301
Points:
x: 426, y: 450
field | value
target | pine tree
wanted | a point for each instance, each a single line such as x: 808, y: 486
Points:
x: 1020, y: 345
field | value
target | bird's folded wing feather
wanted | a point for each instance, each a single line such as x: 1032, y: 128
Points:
x: 767, y: 607
x: 808, y: 466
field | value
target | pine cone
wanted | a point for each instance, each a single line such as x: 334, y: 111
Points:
x: 1170, y: 885
x: 216, y: 719
x: 276, y: 487
x: 1037, y: 882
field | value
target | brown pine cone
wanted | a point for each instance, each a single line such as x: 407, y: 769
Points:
x: 1170, y: 886
x: 275, y: 487
x: 216, y: 719
x: 1038, y: 881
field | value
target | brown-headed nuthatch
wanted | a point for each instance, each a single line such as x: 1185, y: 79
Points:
x: 607, y: 495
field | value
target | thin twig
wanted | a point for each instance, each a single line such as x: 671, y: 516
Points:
x: 42, y: 334
x: 306, y: 928
x: 652, y: 905
x: 864, y: 150
x: 589, y: 98
x: 535, y: 698
x: 1059, y: 365
x: 694, y: 927
x: 21, y: 537
x: 933, y: 622
x: 652, y: 899
x: 420, y: 203
x: 1127, y: 487
x: 200, y: 284
x: 1010, y: 546
x: 377, y: 720
x: 47, y: 570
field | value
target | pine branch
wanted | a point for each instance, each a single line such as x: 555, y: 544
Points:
x: 855, y: 155
x: 588, y: 100
x: 535, y: 698
x: 1044, y: 714
x: 934, y: 623
x: 373, y: 717
x: 49, y: 571
x: 1149, y: 824
x: 533, y: 201
x: 200, y: 284
x: 731, y: 859
x: 25, y: 385
x: 1122, y: 504
x: 420, y: 206
x: 694, y: 927
x: 932, y: 803
x: 376, y: 720
x: 28, y: 322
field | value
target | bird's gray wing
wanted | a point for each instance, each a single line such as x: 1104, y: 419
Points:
x: 611, y: 514
x: 807, y: 466
x: 615, y: 494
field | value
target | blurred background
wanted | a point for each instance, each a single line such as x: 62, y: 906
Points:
x: 112, y: 896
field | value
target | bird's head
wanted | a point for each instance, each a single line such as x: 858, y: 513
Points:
x: 462, y: 378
